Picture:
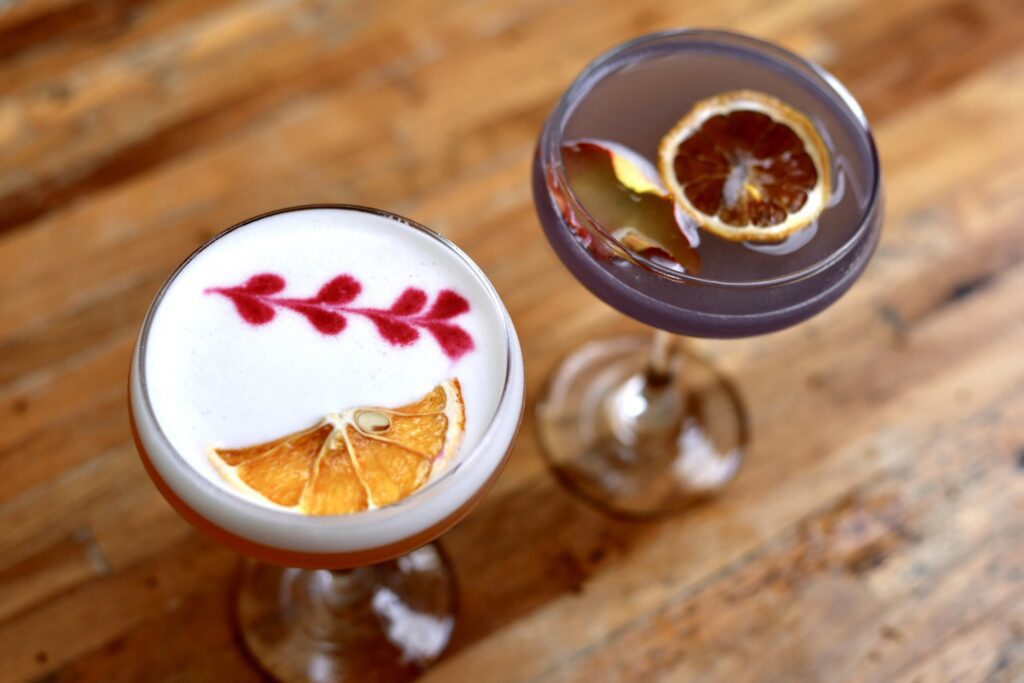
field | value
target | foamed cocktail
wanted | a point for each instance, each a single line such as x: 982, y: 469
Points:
x: 330, y: 388
x: 707, y: 184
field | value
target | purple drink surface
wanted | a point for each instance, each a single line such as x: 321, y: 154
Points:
x: 633, y: 96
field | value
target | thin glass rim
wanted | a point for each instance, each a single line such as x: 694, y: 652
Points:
x: 595, y: 70
x: 251, y: 507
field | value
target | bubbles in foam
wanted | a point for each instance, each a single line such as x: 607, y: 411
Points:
x: 305, y: 313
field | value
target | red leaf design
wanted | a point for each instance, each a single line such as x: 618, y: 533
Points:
x: 398, y: 325
x: 263, y: 284
x: 340, y: 290
x: 448, y: 305
x: 322, y: 319
x: 410, y: 302
x: 253, y: 311
x: 395, y: 331
x: 454, y: 341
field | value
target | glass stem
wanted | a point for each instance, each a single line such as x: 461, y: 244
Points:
x: 333, y: 596
x: 646, y: 408
x: 659, y: 365
x: 342, y: 587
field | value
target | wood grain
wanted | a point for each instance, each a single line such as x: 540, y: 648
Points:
x: 877, y: 530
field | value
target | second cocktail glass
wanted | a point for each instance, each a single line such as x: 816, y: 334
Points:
x: 641, y: 427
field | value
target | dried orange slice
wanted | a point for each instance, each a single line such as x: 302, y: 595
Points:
x: 746, y: 166
x: 363, y: 458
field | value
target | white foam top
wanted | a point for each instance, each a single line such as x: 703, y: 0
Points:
x: 215, y: 379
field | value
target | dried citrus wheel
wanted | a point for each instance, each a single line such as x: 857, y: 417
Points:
x: 360, y: 459
x: 746, y: 166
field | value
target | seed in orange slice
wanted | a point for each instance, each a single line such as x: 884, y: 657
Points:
x: 747, y: 166
x: 360, y: 459
x: 622, y: 192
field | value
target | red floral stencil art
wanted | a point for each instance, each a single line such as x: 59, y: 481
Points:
x: 257, y: 301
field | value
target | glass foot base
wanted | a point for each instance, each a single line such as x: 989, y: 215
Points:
x: 376, y: 624
x: 637, y: 445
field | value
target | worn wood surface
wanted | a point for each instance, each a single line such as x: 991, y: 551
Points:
x: 877, y: 531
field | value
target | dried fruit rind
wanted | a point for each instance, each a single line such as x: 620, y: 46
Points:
x: 622, y: 192
x: 747, y: 166
x: 364, y: 458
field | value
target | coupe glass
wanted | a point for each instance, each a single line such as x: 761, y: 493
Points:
x: 637, y: 425
x: 360, y: 597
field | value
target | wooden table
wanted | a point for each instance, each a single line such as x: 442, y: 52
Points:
x: 877, y: 530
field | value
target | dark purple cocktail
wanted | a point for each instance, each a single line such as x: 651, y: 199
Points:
x: 642, y: 432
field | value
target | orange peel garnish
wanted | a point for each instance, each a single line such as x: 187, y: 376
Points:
x: 624, y: 194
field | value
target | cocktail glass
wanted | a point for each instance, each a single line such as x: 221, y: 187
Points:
x: 358, y: 597
x: 638, y: 426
